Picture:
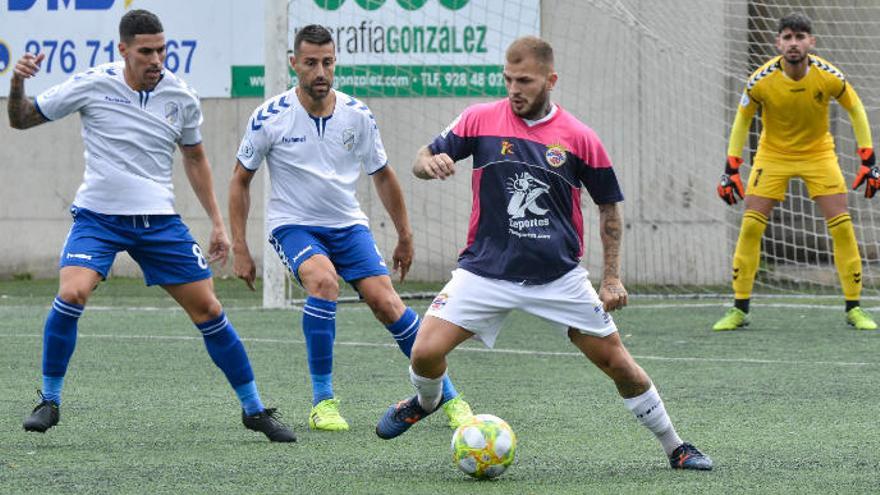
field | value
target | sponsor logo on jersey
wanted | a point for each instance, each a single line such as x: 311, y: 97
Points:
x: 172, y: 112
x: 293, y: 139
x: 111, y: 99
x: 525, y: 191
x: 555, y: 155
x: 439, y: 301
x: 506, y: 148
x: 348, y: 138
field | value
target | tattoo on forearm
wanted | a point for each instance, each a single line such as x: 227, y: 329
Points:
x: 22, y: 111
x: 611, y: 232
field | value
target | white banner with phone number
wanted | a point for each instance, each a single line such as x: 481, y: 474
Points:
x: 204, y: 38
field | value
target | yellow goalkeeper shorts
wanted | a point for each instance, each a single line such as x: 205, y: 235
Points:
x: 770, y: 175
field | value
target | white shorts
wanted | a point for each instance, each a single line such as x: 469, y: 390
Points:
x: 480, y: 304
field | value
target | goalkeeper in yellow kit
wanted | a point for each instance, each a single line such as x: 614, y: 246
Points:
x: 793, y: 91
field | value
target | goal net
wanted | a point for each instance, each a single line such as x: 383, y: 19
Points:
x: 658, y: 81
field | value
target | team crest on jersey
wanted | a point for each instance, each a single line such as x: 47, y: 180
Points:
x: 247, y: 149
x: 506, y: 148
x: 439, y: 301
x: 172, y: 112
x: 348, y: 139
x: 555, y: 155
x: 818, y: 96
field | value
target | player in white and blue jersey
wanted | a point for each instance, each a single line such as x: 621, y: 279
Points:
x: 133, y: 115
x: 316, y: 141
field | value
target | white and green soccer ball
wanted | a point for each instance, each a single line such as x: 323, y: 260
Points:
x: 483, y: 446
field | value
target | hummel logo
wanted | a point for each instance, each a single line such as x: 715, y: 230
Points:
x: 857, y: 277
x: 735, y: 273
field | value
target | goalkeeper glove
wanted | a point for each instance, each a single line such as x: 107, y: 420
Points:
x: 869, y: 173
x: 730, y: 182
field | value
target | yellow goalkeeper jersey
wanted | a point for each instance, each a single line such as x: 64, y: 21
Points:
x: 794, y: 114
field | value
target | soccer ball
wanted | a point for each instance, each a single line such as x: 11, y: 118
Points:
x: 483, y: 446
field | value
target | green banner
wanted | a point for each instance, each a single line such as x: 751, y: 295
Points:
x: 391, y: 80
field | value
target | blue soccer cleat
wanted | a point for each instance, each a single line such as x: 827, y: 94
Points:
x: 686, y: 456
x: 399, y: 417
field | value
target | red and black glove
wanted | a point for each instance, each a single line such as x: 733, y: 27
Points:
x: 869, y: 173
x: 730, y: 184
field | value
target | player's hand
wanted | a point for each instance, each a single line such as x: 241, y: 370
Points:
x: 440, y: 166
x: 612, y: 294
x: 869, y: 173
x: 28, y: 66
x: 731, y: 184
x: 219, y: 248
x: 244, y: 268
x: 403, y: 256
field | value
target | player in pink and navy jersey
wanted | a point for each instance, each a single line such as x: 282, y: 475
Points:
x: 525, y: 240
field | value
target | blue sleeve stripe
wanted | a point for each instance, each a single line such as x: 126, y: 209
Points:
x: 37, y: 106
x: 248, y: 168
x: 379, y: 169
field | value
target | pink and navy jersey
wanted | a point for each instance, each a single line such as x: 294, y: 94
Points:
x: 526, y: 224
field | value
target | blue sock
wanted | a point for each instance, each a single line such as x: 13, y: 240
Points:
x: 322, y: 388
x: 59, y: 341
x: 319, y: 329
x: 227, y: 352
x: 249, y: 398
x: 404, y: 331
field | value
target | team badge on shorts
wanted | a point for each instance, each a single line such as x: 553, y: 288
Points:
x: 599, y: 310
x: 439, y: 301
x: 555, y: 155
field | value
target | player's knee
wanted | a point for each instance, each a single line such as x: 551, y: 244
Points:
x: 424, y: 355
x: 205, y: 310
x: 213, y: 309
x: 325, y: 286
x: 74, y: 294
x: 387, y: 306
x: 623, y: 370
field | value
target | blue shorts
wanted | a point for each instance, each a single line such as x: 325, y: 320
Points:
x: 352, y: 250
x: 160, y: 244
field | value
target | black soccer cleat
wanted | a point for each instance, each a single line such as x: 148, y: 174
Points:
x: 43, y: 417
x: 686, y: 456
x: 399, y: 417
x: 267, y: 422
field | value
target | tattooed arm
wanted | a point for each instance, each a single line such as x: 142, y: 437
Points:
x: 22, y: 111
x: 611, y: 292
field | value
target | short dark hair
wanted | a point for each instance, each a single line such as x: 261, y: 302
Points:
x: 136, y: 22
x: 314, y: 34
x: 798, y: 22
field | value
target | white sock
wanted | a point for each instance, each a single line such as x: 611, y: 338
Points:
x: 430, y: 390
x: 648, y: 408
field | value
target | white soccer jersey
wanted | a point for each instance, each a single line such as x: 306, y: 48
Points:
x: 129, y: 137
x: 314, y: 163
